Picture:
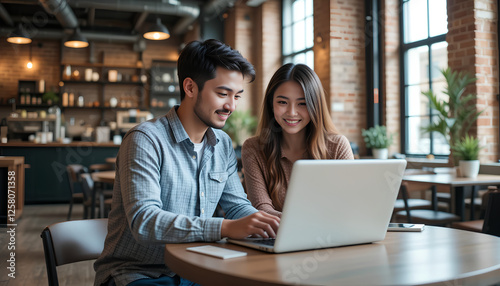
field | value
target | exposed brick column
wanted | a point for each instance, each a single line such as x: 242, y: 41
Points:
x: 390, y: 70
x: 347, y: 61
x: 267, y: 52
x: 239, y: 34
x: 473, y: 47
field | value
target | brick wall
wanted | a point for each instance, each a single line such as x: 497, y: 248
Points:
x: 267, y: 47
x: 473, y: 47
x: 239, y: 33
x: 13, y: 60
x: 347, y: 62
x: 46, y: 57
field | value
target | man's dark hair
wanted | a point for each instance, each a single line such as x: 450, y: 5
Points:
x: 199, y: 60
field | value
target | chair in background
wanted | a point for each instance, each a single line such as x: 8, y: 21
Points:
x: 93, y: 198
x: 425, y: 216
x: 491, y: 222
x: 403, y: 202
x: 74, y: 171
x: 107, y: 191
x: 72, y: 241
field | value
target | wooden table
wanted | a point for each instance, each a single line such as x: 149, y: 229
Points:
x: 435, y: 256
x: 111, y: 160
x: 15, y: 165
x: 104, y: 177
x: 454, y: 183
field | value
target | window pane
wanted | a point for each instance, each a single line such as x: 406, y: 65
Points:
x: 440, y: 146
x: 287, y: 60
x: 299, y: 36
x: 309, y: 32
x: 287, y: 40
x: 287, y: 13
x: 418, y: 141
x: 298, y: 10
x: 438, y: 19
x: 417, y: 63
x: 310, y: 59
x: 309, y: 8
x: 417, y: 103
x: 439, y: 53
x: 415, y: 24
x: 300, y: 59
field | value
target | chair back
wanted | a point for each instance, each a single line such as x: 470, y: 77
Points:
x: 74, y: 171
x: 492, y: 216
x: 72, y: 241
x: 87, y: 186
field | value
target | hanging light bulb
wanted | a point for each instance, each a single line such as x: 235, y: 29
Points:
x: 157, y: 32
x: 19, y: 36
x: 77, y: 40
x: 30, y: 64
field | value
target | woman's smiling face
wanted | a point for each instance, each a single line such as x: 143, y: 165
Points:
x: 289, y: 107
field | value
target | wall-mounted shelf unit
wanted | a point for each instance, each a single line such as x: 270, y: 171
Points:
x: 164, y: 92
x: 99, y: 83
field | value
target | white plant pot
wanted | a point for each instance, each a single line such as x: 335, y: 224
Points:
x: 469, y: 169
x: 380, y: 153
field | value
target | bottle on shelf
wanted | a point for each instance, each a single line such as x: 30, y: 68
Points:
x: 65, y: 99
x: 71, y: 99
x: 22, y: 97
x: 28, y: 96
x: 81, y: 101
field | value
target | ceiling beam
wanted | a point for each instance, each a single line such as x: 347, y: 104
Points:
x: 5, y: 16
x: 140, y: 20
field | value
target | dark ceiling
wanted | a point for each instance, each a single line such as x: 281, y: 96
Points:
x: 104, y: 19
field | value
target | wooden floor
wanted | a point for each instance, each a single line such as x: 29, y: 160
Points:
x: 30, y: 261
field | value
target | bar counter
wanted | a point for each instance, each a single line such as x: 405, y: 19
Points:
x: 46, y: 181
x: 55, y: 144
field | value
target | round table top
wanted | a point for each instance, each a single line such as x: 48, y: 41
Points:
x: 104, y: 177
x: 435, y: 255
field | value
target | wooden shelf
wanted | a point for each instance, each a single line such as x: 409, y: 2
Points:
x: 103, y: 82
x: 19, y: 119
x: 101, y: 65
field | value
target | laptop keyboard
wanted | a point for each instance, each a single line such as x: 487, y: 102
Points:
x: 266, y: 241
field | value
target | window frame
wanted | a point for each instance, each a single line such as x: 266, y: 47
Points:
x: 287, y: 8
x: 404, y: 114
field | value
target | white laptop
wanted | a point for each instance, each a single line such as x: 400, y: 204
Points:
x: 333, y: 203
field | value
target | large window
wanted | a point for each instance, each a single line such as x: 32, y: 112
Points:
x: 424, y: 48
x: 298, y: 31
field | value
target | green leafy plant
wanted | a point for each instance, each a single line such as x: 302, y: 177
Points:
x: 467, y: 148
x: 239, y: 125
x: 50, y: 96
x: 455, y: 114
x: 376, y: 137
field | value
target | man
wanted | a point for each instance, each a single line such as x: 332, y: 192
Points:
x: 172, y: 171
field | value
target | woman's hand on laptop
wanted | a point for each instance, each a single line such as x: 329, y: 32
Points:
x: 260, y: 223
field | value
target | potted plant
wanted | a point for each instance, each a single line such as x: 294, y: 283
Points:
x: 455, y: 111
x: 50, y: 97
x: 239, y: 126
x: 467, y: 150
x: 378, y: 140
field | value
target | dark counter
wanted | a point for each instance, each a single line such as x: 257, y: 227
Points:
x: 46, y: 179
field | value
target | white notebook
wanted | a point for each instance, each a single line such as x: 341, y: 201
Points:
x: 218, y: 252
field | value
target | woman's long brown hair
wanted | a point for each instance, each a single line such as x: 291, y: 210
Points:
x: 317, y: 131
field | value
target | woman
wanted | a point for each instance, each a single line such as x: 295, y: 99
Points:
x: 295, y: 124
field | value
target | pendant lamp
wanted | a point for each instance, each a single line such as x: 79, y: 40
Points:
x: 19, y: 36
x: 76, y: 40
x: 157, y: 32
